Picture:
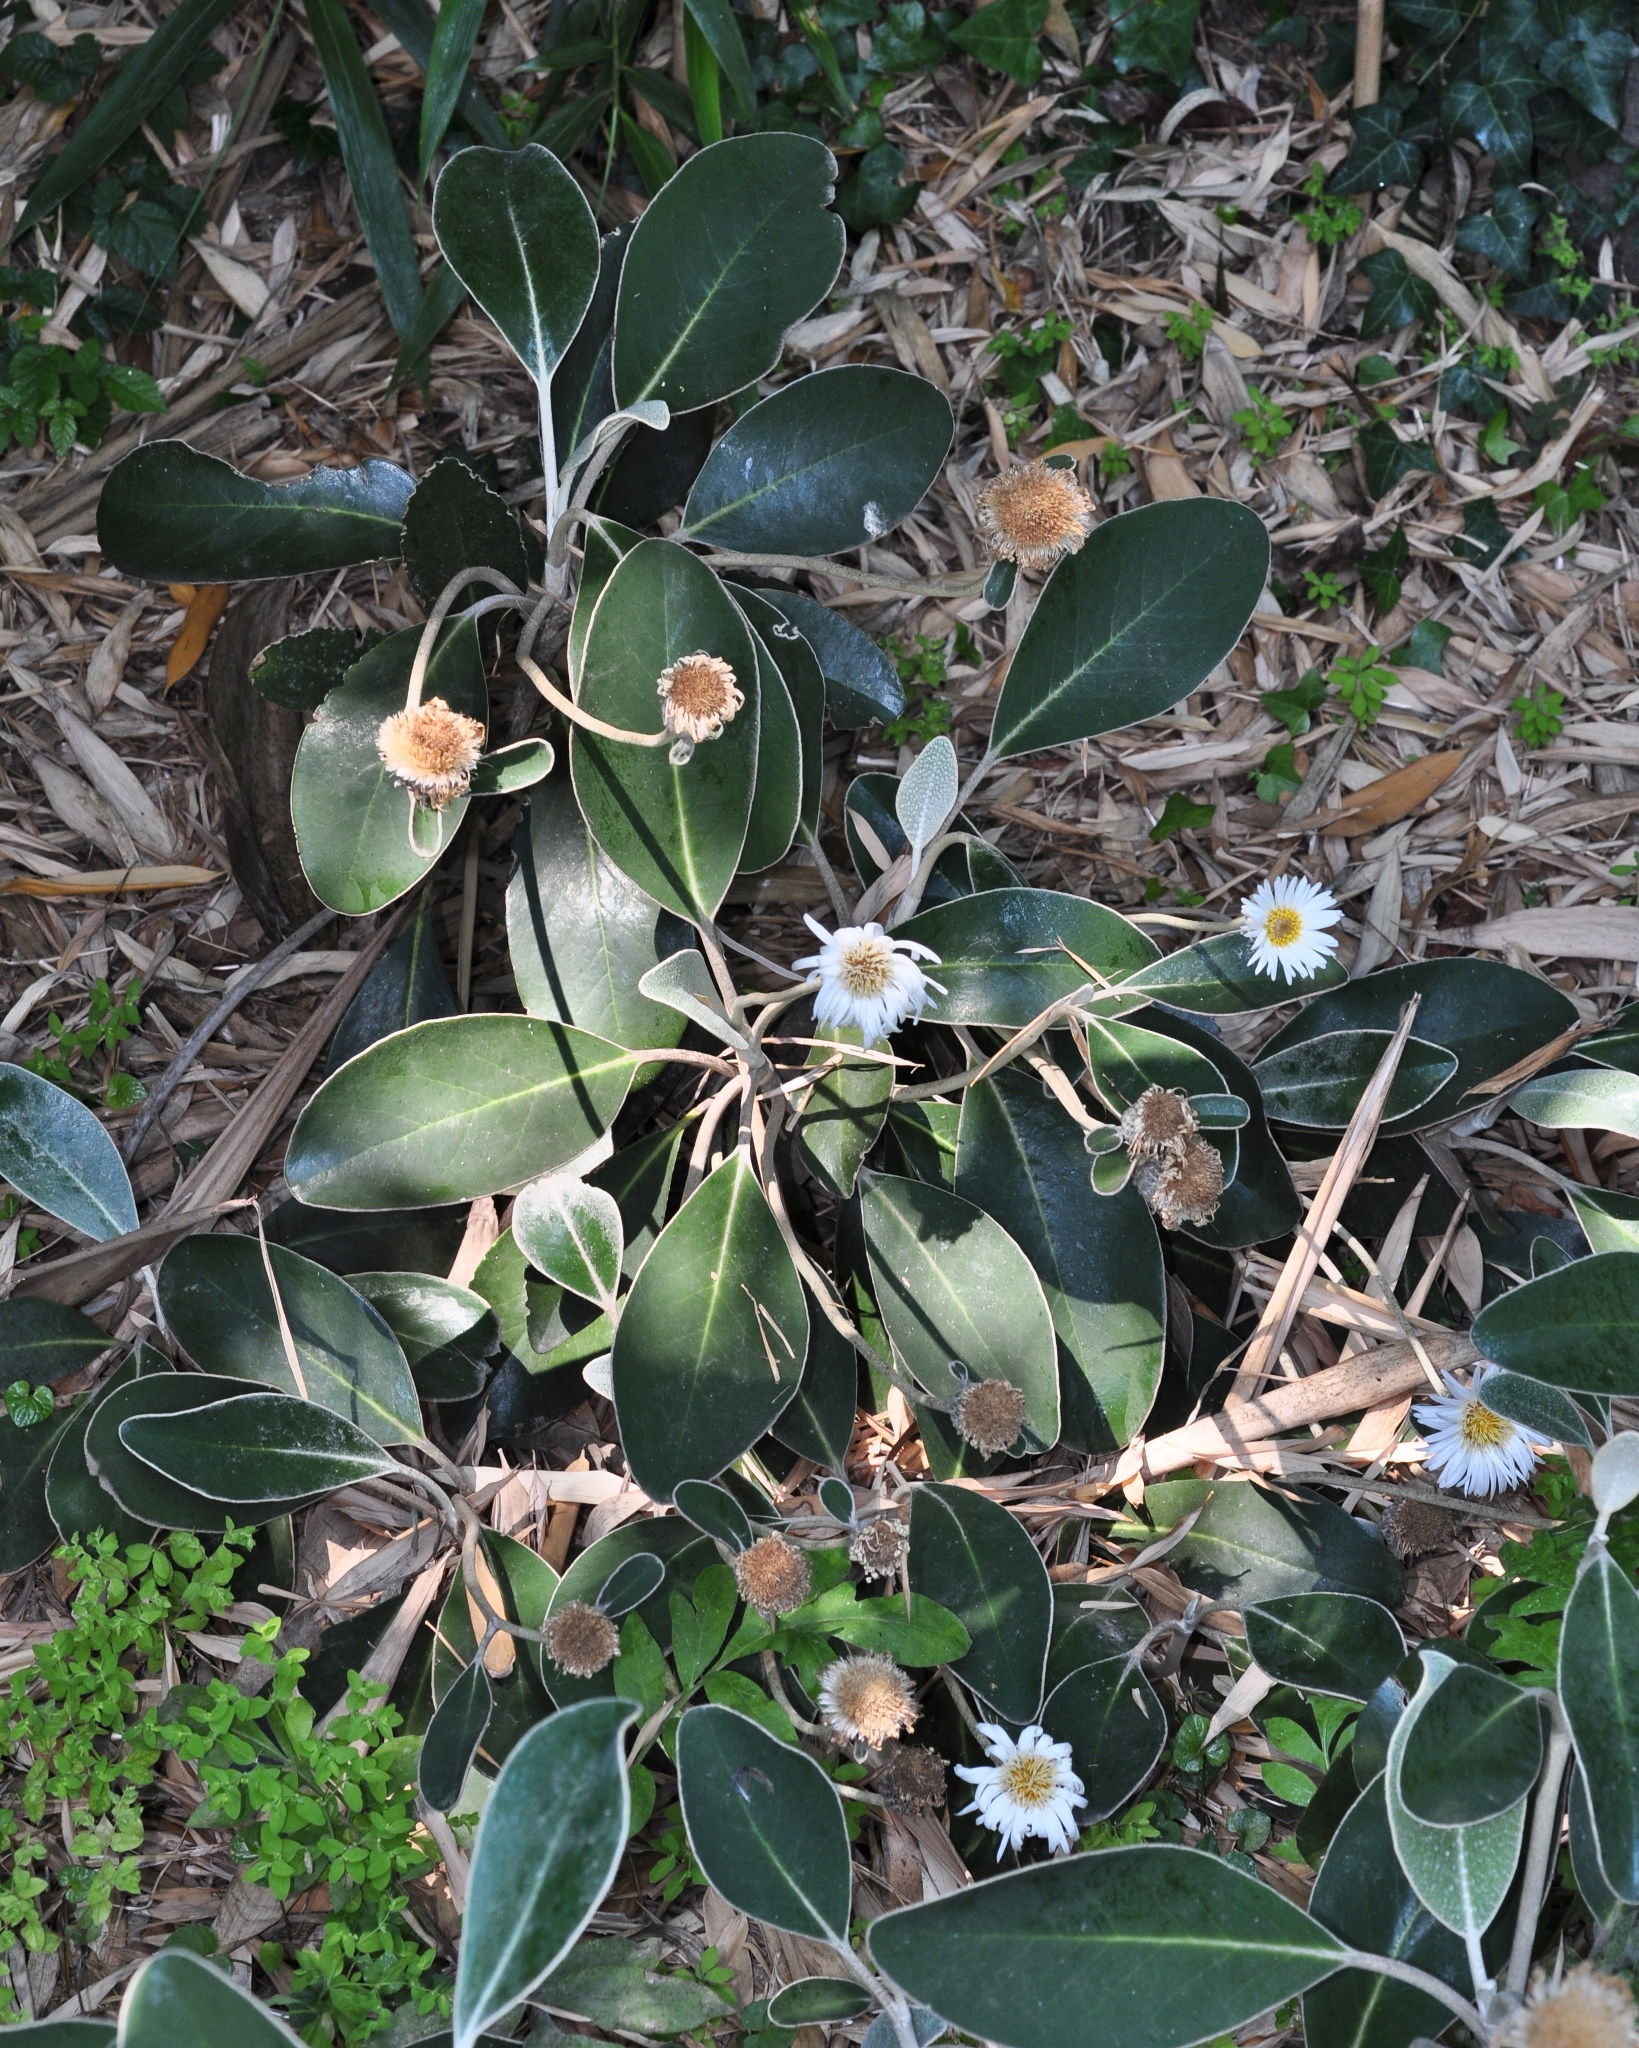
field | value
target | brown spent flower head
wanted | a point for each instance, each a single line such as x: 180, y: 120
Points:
x: 431, y: 750
x: 698, y: 697
x: 773, y: 1575
x: 581, y: 1639
x: 912, y: 1778
x: 1031, y: 514
x: 867, y: 1699
x: 1184, y: 1187
x: 881, y: 1546
x: 1583, y: 2010
x: 1159, y: 1124
x: 989, y: 1414
x: 1412, y: 1528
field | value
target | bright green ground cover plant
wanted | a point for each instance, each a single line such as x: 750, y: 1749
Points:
x: 956, y: 1152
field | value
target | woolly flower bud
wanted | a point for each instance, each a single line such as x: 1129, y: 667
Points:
x: 880, y: 1548
x: 1412, y: 1528
x: 867, y: 1699
x: 989, y: 1414
x: 1159, y: 1122
x: 1184, y: 1187
x: 773, y: 1575
x: 581, y: 1639
x: 1584, y: 2010
x: 912, y: 1779
x: 698, y: 697
x: 431, y: 750
x: 1031, y: 514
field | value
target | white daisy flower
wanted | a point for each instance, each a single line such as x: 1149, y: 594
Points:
x: 1287, y: 921
x: 867, y: 980
x: 1027, y: 1788
x: 1471, y: 1446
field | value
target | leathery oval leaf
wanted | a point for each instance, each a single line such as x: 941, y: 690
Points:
x: 1136, y: 619
x: 776, y: 798
x: 548, y: 1846
x: 216, y: 1300
x: 1116, y: 1726
x: 353, y: 820
x: 56, y: 1154
x: 143, y: 1492
x: 1008, y: 954
x: 1215, y: 977
x: 675, y: 831
x: 1599, y: 1690
x: 1166, y: 1945
x: 453, y: 1109
x: 177, y: 1996
x: 765, y: 1824
x: 1474, y: 1751
x: 973, y: 1558
x: 1320, y: 1082
x: 43, y: 1341
x: 712, y: 1339
x: 828, y: 462
x: 1577, y: 1327
x: 1338, y: 1643
x: 255, y: 1448
x: 447, y: 1333
x: 735, y: 249
x: 173, y: 514
x: 572, y: 1233
x: 520, y: 1586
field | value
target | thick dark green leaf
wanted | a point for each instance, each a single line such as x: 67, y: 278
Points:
x: 1597, y: 1099
x: 1576, y: 1328
x: 581, y: 935
x: 1003, y: 36
x: 1474, y: 1751
x: 1163, y: 1944
x: 618, y: 1982
x: 961, y: 1301
x: 1335, y: 1643
x: 1503, y: 237
x: 256, y: 1448
x: 972, y: 1557
x: 215, y: 1297
x: 301, y: 670
x: 736, y: 249
x: 765, y: 1825
x: 1252, y: 1545
x: 353, y: 821
x: 843, y: 1114
x: 1599, y: 1691
x: 1593, y: 1887
x: 1399, y: 298
x: 1382, y: 153
x: 1590, y: 63
x: 67, y: 2034
x: 395, y: 1241
x: 1544, y: 1411
x: 1009, y: 954
x: 459, y: 1724
x: 572, y: 1233
x: 177, y: 1996
x: 550, y: 1841
x: 582, y: 390
x: 830, y: 462
x: 521, y: 1700
x: 1215, y: 978
x: 862, y: 685
x: 175, y: 515
x: 712, y: 1340
x: 1149, y: 606
x: 1116, y: 1727
x: 141, y: 1491
x: 145, y: 76
x: 455, y: 521
x: 447, y: 62
x: 1126, y: 1059
x: 1362, y: 1896
x: 57, y: 1155
x: 675, y: 832
x: 372, y: 171
x: 406, y: 986
x: 776, y: 798
x: 1493, y: 104
x: 639, y: 1177
x: 800, y: 671
x: 819, y: 1424
x: 1617, y: 1045
x: 518, y: 232
x: 42, y: 1341
x: 447, y: 1333
x: 77, y: 1504
x: 455, y: 1109
x: 1489, y: 1015
x: 26, y: 1527
x: 818, y: 2001
x: 1609, y: 1220
x: 1319, y: 1082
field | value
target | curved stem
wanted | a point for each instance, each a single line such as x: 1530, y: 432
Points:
x: 439, y: 613
x: 1539, y: 1855
x: 1408, y: 1973
x: 593, y: 467
x: 911, y: 897
x: 536, y: 619
x: 574, y: 714
x: 776, y: 1686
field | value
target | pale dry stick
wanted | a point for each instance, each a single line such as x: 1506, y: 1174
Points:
x: 1368, y: 54
x: 1537, y: 1166
x: 1420, y: 1293
x: 286, y: 1337
x: 1393, y: 1306
x: 1275, y: 1324
x: 841, y: 908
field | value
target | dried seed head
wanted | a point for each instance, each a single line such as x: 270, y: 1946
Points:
x: 1412, y: 1528
x: 881, y: 1546
x: 989, y: 1414
x: 581, y: 1639
x: 1031, y: 514
x: 1583, y: 2010
x: 867, y: 1699
x: 773, y: 1575
x: 431, y: 750
x: 912, y: 1778
x: 698, y: 697
x: 1184, y: 1187
x: 1159, y: 1123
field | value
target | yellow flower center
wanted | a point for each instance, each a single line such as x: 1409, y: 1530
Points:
x: 1483, y: 1429
x: 867, y: 967
x: 1283, y: 926
x: 1030, y: 1780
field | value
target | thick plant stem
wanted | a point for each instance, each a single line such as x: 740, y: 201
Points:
x: 1539, y: 1853
x: 1408, y: 1973
x: 549, y: 452
x: 574, y: 714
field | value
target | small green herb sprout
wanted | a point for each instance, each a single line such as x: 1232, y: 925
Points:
x: 1180, y: 814
x: 1327, y: 220
x: 1322, y: 587
x: 1541, y: 715
x: 109, y: 1023
x: 1263, y: 424
x: 1190, y: 330
x: 1495, y: 444
x: 1297, y: 706
x: 67, y: 395
x: 1564, y: 504
x: 1362, y: 682
x: 28, y: 1405
x: 1114, y: 462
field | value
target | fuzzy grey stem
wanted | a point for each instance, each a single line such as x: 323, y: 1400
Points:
x: 549, y: 458
x: 869, y: 579
x: 1539, y: 1853
x: 1408, y: 1973
x: 841, y: 907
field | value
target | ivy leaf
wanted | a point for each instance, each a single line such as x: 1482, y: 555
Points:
x: 1484, y: 536
x: 1589, y: 62
x: 1382, y: 154
x: 1388, y: 458
x: 1155, y: 35
x: 1399, y: 297
x: 1380, y: 570
x: 1003, y: 36
x: 1492, y: 103
x: 905, y: 40
x: 1502, y: 236
x: 876, y: 192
